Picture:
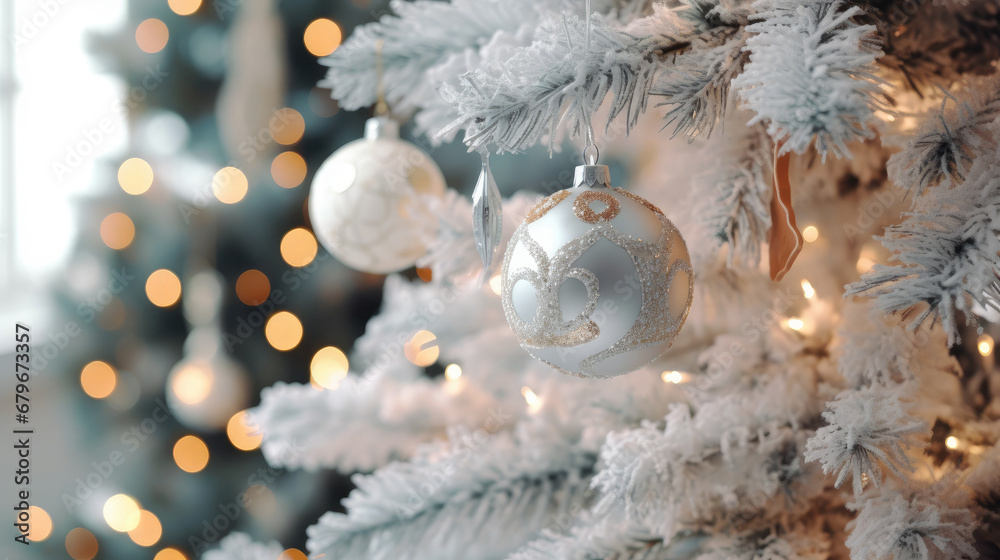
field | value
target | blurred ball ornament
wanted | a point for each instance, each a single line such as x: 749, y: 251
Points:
x: 365, y: 202
x: 596, y: 281
x: 206, y: 387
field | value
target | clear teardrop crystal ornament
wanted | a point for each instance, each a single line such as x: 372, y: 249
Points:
x: 487, y: 214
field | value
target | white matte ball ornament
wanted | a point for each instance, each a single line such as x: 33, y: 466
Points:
x: 596, y: 281
x: 365, y: 201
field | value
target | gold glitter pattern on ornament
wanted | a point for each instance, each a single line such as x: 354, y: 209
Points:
x: 639, y: 199
x: 583, y: 210
x: 655, y: 325
x: 543, y: 207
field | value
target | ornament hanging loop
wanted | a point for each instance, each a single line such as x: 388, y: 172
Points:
x: 591, y: 154
x: 381, y: 107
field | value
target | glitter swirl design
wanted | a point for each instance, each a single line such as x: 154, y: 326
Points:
x: 657, y: 267
x: 583, y: 210
x: 543, y: 207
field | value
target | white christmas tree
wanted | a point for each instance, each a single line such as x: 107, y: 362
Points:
x: 736, y: 443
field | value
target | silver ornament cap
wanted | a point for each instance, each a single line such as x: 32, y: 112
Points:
x: 592, y: 176
x: 381, y: 127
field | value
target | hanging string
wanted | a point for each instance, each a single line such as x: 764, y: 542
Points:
x: 591, y: 147
x: 381, y: 108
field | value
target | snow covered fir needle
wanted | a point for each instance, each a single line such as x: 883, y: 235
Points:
x: 851, y: 410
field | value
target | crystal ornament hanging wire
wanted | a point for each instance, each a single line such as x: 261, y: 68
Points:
x: 487, y: 215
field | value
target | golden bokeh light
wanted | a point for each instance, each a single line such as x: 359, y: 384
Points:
x: 149, y: 530
x: 322, y: 37
x: 985, y: 345
x: 191, y: 454
x: 496, y: 284
x: 121, y: 512
x: 287, y: 126
x: 81, y: 544
x: 41, y: 524
x: 193, y: 382
x: 163, y: 288
x: 951, y: 442
x: 253, y: 287
x: 183, y: 8
x: 453, y: 372
x: 117, y: 231
x: 422, y: 350
x: 674, y: 377
x: 288, y: 170
x: 810, y: 234
x: 170, y: 554
x: 807, y: 289
x: 293, y: 554
x: 98, y: 379
x: 283, y: 331
x: 242, y: 434
x: 328, y: 367
x: 152, y: 35
x: 529, y: 396
x: 299, y: 247
x: 795, y: 324
x: 135, y: 176
x: 229, y: 185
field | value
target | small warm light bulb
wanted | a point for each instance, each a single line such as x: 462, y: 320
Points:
x: 283, y: 331
x: 422, y: 350
x: 951, y: 442
x: 148, y: 531
x: 674, y: 377
x: 985, y: 345
x: 529, y: 396
x: 121, y: 512
x: 329, y: 366
x: 453, y: 372
x: 807, y: 289
x: 495, y: 284
x: 41, y: 524
x: 810, y: 234
x: 795, y: 324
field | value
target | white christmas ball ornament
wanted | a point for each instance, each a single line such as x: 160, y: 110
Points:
x: 596, y: 281
x: 366, y: 202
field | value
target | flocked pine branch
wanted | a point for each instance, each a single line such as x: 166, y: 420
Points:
x: 481, y: 498
x: 240, y: 546
x: 704, y: 460
x: 918, y: 529
x: 738, y: 210
x: 512, y: 105
x: 947, y: 254
x: 808, y: 544
x: 696, y: 88
x: 695, y: 84
x: 866, y: 429
x: 945, y: 146
x: 811, y: 75
x: 417, y: 37
x: 309, y: 429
